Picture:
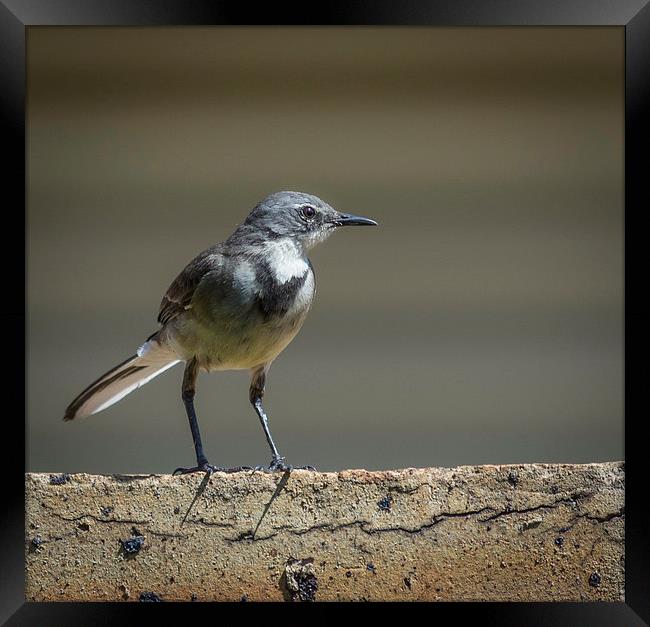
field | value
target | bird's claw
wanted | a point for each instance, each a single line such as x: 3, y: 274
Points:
x: 207, y: 468
x: 277, y: 463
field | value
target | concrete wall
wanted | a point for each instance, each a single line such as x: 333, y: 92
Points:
x: 525, y: 532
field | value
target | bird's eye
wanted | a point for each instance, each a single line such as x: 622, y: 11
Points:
x: 307, y: 212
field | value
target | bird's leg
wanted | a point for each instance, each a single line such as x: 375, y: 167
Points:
x: 256, y: 394
x: 188, y: 390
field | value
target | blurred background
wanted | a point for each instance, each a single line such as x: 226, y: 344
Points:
x: 482, y: 322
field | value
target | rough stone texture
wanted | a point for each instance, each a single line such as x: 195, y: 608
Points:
x: 526, y: 532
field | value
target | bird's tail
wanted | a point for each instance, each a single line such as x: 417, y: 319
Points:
x: 151, y: 360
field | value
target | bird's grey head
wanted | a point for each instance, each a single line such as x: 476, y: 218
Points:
x: 305, y: 218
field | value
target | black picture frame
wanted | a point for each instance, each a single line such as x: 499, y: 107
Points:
x: 632, y: 15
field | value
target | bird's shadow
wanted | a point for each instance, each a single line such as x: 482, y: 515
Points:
x: 281, y: 484
x: 204, y: 484
x: 199, y: 491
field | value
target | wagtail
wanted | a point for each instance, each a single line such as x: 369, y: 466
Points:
x: 235, y: 306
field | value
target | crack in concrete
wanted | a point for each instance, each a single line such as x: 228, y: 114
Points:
x: 607, y: 518
x: 363, y: 524
x: 573, y: 501
x: 205, y: 523
x: 595, y: 519
x: 127, y: 521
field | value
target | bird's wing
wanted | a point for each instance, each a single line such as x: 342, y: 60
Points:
x: 178, y: 297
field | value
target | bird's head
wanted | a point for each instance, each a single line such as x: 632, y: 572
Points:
x: 305, y: 218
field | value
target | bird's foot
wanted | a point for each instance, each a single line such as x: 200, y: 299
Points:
x: 209, y: 469
x: 278, y: 463
x: 204, y: 467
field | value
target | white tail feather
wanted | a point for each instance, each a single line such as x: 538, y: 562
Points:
x: 151, y: 360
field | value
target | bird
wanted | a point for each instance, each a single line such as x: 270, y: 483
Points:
x: 235, y: 306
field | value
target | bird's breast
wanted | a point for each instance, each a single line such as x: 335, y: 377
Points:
x: 250, y: 319
x: 286, y: 297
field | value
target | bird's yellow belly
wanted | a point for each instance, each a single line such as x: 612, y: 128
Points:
x: 235, y: 347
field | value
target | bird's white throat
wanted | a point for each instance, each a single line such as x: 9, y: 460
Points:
x: 286, y: 260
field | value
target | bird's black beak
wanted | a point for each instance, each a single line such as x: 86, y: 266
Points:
x: 347, y: 219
